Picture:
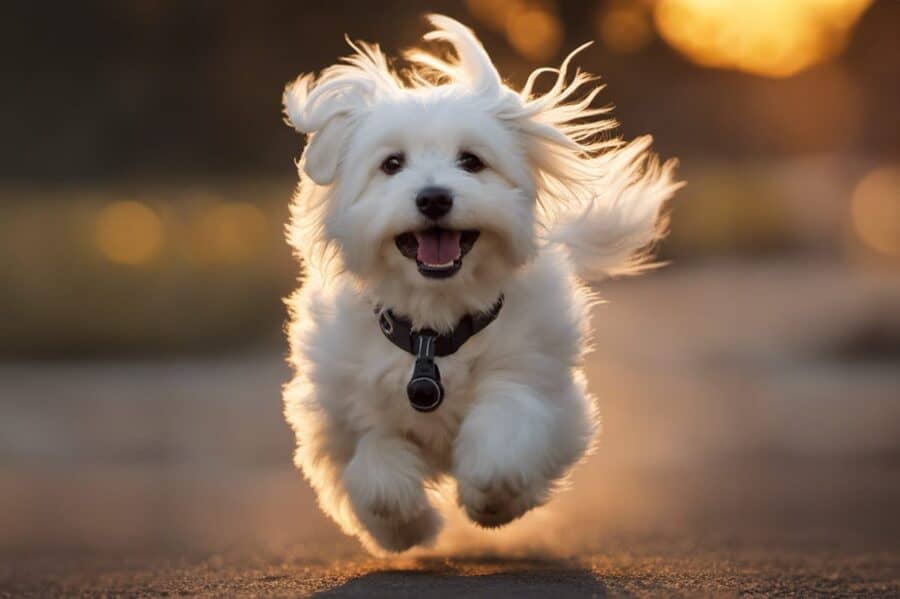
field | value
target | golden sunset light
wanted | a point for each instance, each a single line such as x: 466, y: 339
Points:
x: 128, y: 232
x: 625, y: 28
x: 875, y: 211
x: 228, y: 233
x: 773, y: 38
x: 535, y: 33
x: 533, y: 29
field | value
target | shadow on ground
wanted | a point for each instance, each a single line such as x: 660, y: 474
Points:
x: 485, y: 577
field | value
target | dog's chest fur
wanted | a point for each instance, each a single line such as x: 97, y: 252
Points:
x: 361, y: 377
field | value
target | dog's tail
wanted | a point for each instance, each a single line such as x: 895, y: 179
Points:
x: 611, y: 227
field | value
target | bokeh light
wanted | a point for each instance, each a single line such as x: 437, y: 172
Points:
x: 128, y: 232
x: 228, y: 233
x: 535, y: 33
x: 875, y: 211
x: 625, y: 27
x: 775, y: 38
x: 532, y: 28
x: 494, y: 13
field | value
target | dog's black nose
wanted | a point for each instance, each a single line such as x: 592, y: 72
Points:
x: 434, y: 202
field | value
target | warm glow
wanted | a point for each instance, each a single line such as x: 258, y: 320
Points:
x: 875, y: 210
x: 494, y: 13
x: 128, y: 233
x: 535, y: 33
x: 625, y: 29
x: 532, y: 28
x: 228, y: 233
x: 776, y: 38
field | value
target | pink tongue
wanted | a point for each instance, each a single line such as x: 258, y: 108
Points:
x: 438, y: 247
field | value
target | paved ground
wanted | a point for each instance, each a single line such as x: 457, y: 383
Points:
x: 591, y: 576
x: 751, y: 447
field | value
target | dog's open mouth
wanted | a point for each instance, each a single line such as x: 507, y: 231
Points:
x: 438, y: 252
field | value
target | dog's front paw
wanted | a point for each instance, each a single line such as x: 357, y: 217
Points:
x: 393, y: 509
x: 384, y: 493
x: 499, y: 500
x: 388, y: 534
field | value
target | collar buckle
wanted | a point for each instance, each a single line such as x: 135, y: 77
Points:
x: 386, y: 322
x: 424, y: 389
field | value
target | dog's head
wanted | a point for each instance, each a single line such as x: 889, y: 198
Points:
x: 427, y: 183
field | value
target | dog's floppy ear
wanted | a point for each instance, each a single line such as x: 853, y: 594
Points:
x: 325, y: 111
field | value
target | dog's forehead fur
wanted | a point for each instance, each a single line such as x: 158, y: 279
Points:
x: 437, y: 127
x: 433, y: 120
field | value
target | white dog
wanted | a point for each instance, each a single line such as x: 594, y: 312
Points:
x: 445, y: 221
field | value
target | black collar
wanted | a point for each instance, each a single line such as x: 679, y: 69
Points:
x: 425, y: 391
x: 399, y: 331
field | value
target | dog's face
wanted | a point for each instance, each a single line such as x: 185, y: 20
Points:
x: 427, y: 183
x: 431, y: 187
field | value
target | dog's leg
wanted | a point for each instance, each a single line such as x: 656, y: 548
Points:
x: 514, y: 446
x: 384, y: 481
x: 324, y: 447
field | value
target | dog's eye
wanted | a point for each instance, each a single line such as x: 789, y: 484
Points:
x: 393, y: 164
x: 469, y: 162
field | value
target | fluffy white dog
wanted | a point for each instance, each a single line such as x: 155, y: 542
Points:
x: 445, y: 222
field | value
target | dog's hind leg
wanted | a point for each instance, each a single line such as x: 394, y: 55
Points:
x: 324, y: 447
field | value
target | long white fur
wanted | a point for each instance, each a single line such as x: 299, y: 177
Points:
x: 560, y: 203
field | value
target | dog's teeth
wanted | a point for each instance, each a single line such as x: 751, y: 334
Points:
x: 444, y: 265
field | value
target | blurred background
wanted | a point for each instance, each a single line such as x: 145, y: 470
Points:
x: 750, y: 390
